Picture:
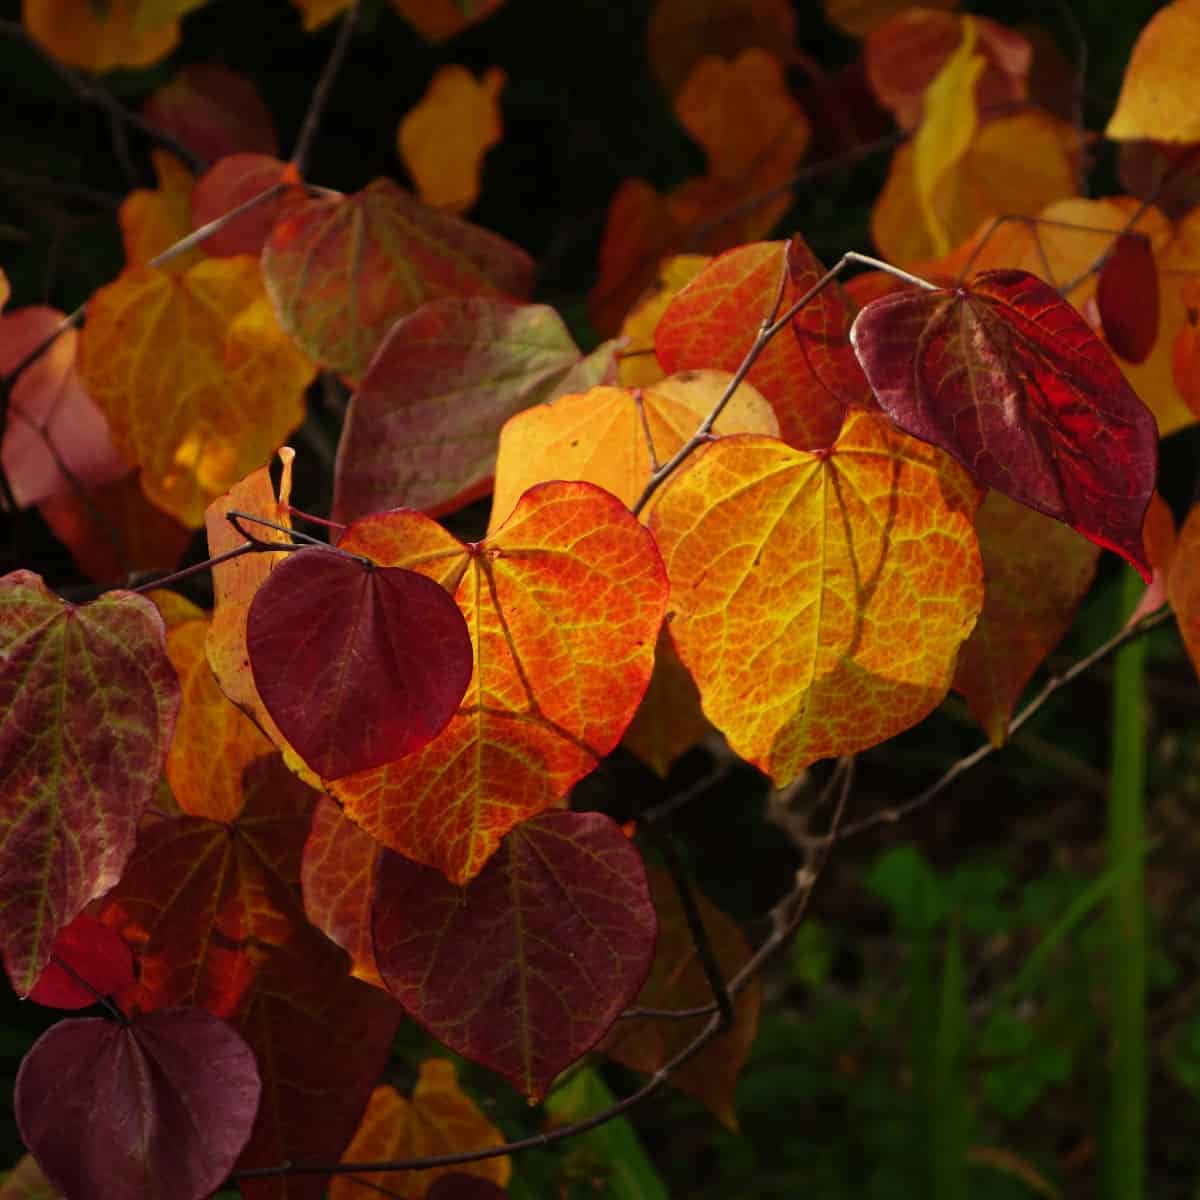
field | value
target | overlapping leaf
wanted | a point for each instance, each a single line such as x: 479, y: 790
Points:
x: 153, y: 220
x: 527, y: 968
x: 1009, y: 379
x: 833, y: 621
x: 669, y: 719
x: 809, y: 378
x: 197, y: 380
x: 88, y: 961
x: 443, y: 140
x: 639, y: 365
x: 1037, y: 573
x: 439, y: 1119
x: 232, y: 182
x: 27, y: 1181
x: 123, y: 33
x: 87, y: 704
x: 421, y: 430
x: 341, y: 271
x: 563, y: 602
x: 180, y: 1090
x: 1127, y: 298
x: 615, y: 437
x: 358, y: 664
x: 677, y: 981
x: 1183, y: 584
x: 859, y: 17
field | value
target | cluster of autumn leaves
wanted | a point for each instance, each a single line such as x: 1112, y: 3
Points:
x: 369, y: 747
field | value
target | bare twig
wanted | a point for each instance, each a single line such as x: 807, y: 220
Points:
x: 321, y: 93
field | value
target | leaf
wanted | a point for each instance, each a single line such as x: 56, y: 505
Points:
x: 51, y: 417
x: 1009, y: 379
x: 320, y: 12
x: 669, y: 720
x: 714, y: 320
x: 677, y: 980
x: 1158, y: 93
x: 214, y: 740
x: 615, y: 437
x: 1158, y: 532
x: 197, y: 380
x: 341, y: 271
x: 1037, y: 573
x: 1183, y: 584
x: 94, y: 954
x: 1127, y: 297
x: 457, y: 1186
x: 421, y: 429
x: 440, y: 1119
x: 214, y: 111
x: 833, y: 621
x: 550, y: 942
x: 87, y: 705
x: 443, y: 140
x: 152, y: 221
x: 859, y: 17
x: 115, y: 531
x: 337, y: 872
x: 681, y: 32
x: 230, y: 183
x: 27, y: 1181
x: 180, y: 1090
x: 639, y: 365
x: 439, y: 20
x: 120, y: 33
x: 563, y: 602
x: 358, y: 664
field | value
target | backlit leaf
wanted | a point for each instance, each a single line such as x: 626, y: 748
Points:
x: 615, y: 437
x: 230, y: 183
x: 215, y: 111
x: 1127, y: 297
x: 1009, y: 379
x: 94, y: 954
x: 87, y: 704
x: 422, y: 428
x: 51, y: 418
x: 639, y: 364
x: 439, y: 1119
x: 526, y: 968
x: 120, y: 33
x: 833, y: 621
x: 197, y: 380
x: 1159, y: 93
x: 341, y: 271
x: 1037, y: 573
x: 443, y: 140
x: 358, y: 664
x: 438, y: 20
x: 563, y: 602
x: 179, y: 1092
x: 809, y: 378
x: 153, y: 220
x: 677, y: 980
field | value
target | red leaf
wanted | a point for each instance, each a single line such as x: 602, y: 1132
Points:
x: 464, y: 1187
x: 526, y: 968
x: 1127, y: 297
x: 88, y: 700
x: 93, y: 952
x: 359, y: 665
x: 1008, y: 378
x: 161, y: 1105
x: 230, y: 183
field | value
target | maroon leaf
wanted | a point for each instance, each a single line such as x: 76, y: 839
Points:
x: 88, y: 700
x: 1008, y: 378
x: 528, y: 966
x: 93, y: 953
x: 358, y: 664
x: 422, y: 428
x: 1127, y: 297
x: 341, y: 271
x: 159, y: 1106
x: 458, y: 1186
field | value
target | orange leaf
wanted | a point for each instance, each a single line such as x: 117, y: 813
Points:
x: 120, y: 33
x: 440, y: 1119
x: 195, y: 376
x: 677, y: 980
x: 859, y: 17
x: 1158, y: 532
x: 564, y: 602
x: 639, y: 366
x: 151, y: 221
x: 1158, y: 97
x: 438, y: 20
x: 1183, y: 584
x: 443, y: 140
x: 614, y: 437
x: 1037, y: 570
x: 669, y: 719
x: 832, y: 621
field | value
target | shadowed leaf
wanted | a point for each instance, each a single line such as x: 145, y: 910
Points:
x: 122, y: 33
x: 91, y: 952
x: 1127, y: 297
x: 230, y: 183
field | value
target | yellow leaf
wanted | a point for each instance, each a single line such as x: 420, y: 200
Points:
x: 638, y: 366
x: 443, y: 140
x: 152, y: 221
x: 1160, y: 95
x: 100, y: 37
x: 196, y: 378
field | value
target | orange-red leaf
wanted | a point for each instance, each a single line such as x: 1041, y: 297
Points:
x: 563, y: 602
x: 1183, y: 584
x: 833, y: 619
x: 341, y: 271
x: 639, y: 366
x: 229, y: 184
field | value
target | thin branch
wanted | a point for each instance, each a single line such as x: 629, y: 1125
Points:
x: 197, y: 236
x: 101, y: 999
x: 321, y: 93
x: 206, y: 565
